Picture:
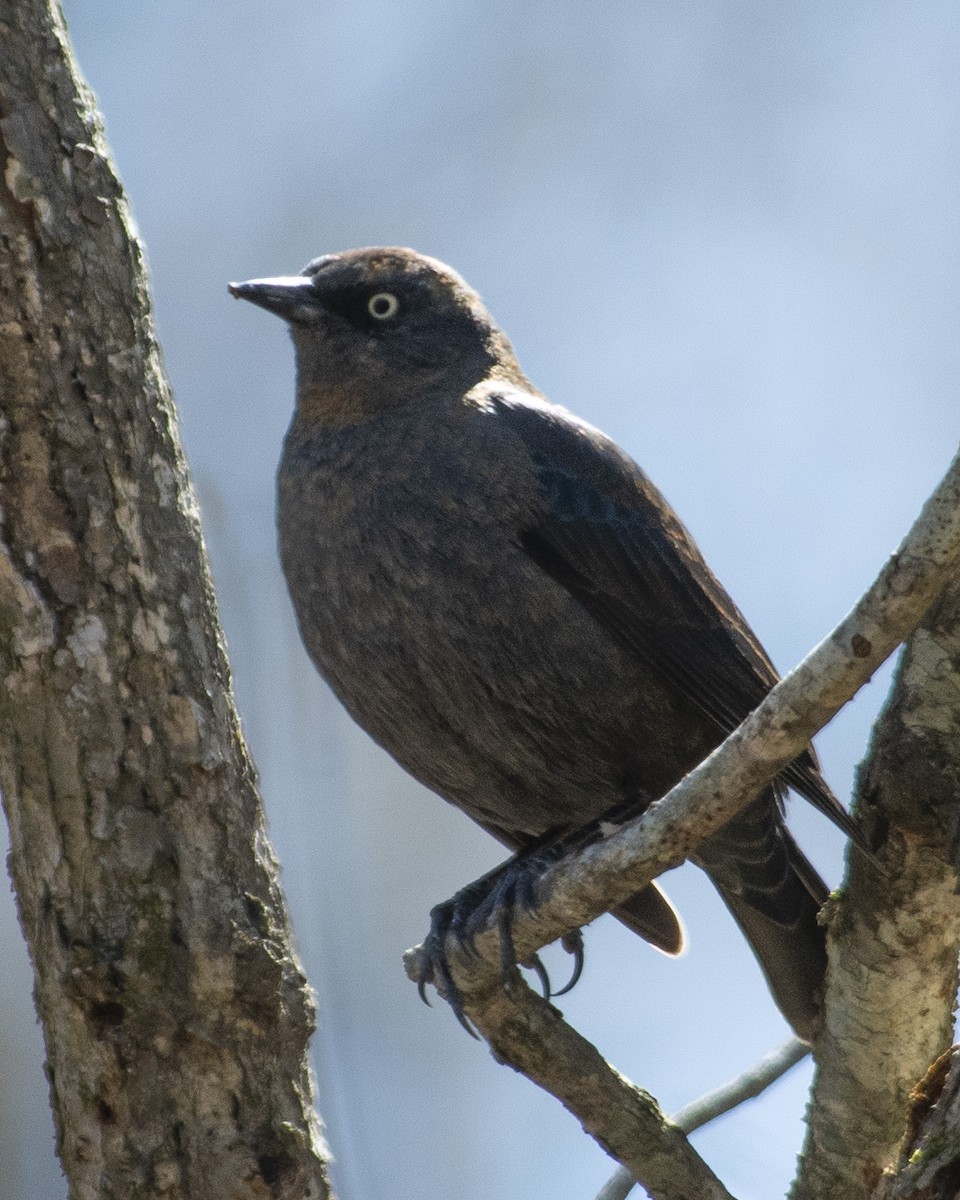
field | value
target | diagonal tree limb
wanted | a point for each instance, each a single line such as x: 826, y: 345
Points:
x: 528, y: 1033
x: 746, y: 1086
x: 579, y: 888
x: 582, y: 886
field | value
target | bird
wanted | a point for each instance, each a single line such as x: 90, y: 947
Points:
x: 500, y: 596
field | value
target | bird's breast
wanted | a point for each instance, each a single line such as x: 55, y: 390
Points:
x: 471, y: 666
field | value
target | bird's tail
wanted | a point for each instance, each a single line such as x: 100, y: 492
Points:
x: 775, y: 896
x: 650, y: 914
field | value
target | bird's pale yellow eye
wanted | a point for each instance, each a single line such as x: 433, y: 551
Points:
x: 382, y: 306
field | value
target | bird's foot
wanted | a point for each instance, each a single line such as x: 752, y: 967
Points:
x: 491, y: 902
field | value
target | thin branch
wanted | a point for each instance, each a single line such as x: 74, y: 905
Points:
x: 745, y: 1087
x: 527, y: 1032
x: 721, y: 1100
x: 578, y: 889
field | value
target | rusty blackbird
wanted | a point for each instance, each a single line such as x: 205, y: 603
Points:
x: 500, y: 596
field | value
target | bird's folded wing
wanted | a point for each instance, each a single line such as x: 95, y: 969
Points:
x: 607, y: 535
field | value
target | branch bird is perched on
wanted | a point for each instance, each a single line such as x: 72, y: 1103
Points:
x: 504, y: 601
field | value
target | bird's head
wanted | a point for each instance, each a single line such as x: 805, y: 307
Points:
x: 382, y: 327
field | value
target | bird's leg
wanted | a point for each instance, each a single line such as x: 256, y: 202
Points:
x: 495, y: 897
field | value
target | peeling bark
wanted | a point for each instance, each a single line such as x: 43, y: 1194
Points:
x: 175, y: 1014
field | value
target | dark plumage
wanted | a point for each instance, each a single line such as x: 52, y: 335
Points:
x: 500, y: 596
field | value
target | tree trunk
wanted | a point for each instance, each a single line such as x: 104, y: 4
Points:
x: 175, y: 1015
x: 892, y: 980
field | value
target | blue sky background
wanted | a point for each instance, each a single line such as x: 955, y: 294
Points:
x: 726, y: 233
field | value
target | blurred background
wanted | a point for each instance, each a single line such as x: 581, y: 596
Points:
x: 725, y: 232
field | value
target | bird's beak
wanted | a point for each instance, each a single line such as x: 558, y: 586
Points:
x: 292, y: 297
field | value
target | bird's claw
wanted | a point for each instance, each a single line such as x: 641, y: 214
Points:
x: 491, y: 901
x: 573, y: 944
x: 434, y: 966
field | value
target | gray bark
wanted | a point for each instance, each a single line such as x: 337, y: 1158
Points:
x: 892, y: 981
x: 175, y: 1014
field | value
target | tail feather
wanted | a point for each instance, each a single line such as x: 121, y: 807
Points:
x: 793, y: 959
x: 650, y: 914
x: 774, y: 895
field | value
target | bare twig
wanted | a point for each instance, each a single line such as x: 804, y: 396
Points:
x: 721, y: 1100
x: 747, y: 1086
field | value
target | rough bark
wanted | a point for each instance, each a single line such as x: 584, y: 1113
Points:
x: 174, y: 1012
x: 892, y: 980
